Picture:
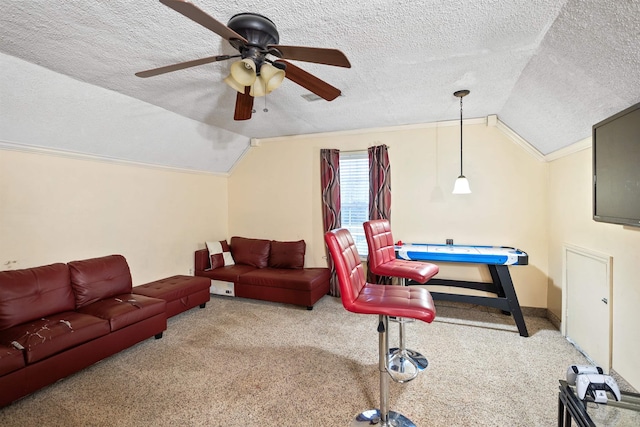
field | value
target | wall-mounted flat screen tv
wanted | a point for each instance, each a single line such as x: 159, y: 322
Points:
x: 616, y: 168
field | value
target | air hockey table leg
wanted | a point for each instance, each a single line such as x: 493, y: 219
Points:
x: 502, y: 279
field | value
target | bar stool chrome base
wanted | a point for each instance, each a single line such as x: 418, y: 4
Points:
x: 404, y: 364
x: 396, y: 357
x: 372, y: 418
x: 401, y: 368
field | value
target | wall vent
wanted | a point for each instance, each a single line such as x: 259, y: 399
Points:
x: 311, y: 97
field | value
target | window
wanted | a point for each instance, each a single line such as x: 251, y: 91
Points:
x: 354, y: 196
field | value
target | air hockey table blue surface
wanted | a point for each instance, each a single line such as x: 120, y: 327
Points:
x: 496, y: 255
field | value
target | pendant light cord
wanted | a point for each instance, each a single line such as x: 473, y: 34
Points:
x: 461, y: 174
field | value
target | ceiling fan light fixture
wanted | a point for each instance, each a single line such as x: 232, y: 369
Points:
x: 257, y: 89
x: 234, y: 84
x: 244, y: 71
x: 271, y: 76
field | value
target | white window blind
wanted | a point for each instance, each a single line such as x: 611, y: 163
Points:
x: 354, y: 195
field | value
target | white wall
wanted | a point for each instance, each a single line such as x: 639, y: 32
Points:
x: 570, y: 212
x: 274, y: 192
x: 59, y: 209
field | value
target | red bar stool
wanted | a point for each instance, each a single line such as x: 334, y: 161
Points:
x: 383, y: 262
x: 358, y: 296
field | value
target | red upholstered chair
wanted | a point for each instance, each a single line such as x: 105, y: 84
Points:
x: 361, y: 297
x: 383, y: 262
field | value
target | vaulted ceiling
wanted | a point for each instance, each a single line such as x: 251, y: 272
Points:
x: 549, y: 69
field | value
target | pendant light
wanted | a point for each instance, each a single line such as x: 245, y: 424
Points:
x: 462, y: 184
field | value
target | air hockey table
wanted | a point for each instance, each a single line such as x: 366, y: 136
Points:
x: 496, y: 258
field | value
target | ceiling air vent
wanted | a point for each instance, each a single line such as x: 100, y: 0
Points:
x: 311, y: 97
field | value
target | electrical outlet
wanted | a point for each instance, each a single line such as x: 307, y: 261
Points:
x: 191, y: 272
x: 449, y: 241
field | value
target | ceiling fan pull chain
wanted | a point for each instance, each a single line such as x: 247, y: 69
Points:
x: 265, y: 98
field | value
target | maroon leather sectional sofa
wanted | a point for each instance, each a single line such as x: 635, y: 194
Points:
x: 60, y: 318
x: 267, y: 270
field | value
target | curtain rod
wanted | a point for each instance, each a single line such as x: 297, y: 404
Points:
x: 363, y: 149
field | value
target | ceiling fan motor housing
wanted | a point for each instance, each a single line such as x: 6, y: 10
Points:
x: 259, y: 30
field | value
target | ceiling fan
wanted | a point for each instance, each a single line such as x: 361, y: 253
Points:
x: 263, y: 62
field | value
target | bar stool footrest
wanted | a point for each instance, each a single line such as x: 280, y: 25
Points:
x: 417, y: 358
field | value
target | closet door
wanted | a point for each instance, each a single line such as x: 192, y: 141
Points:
x: 587, y: 303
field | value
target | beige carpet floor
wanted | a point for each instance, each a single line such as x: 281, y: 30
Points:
x: 241, y: 362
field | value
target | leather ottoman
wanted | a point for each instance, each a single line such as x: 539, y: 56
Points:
x: 180, y: 292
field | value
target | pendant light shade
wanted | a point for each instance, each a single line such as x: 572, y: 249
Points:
x: 461, y: 185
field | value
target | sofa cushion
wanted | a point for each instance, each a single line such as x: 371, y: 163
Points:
x: 253, y: 252
x: 305, y: 279
x: 173, y: 288
x: 125, y: 309
x: 231, y: 273
x: 287, y: 254
x: 219, y: 254
x: 32, y: 293
x: 11, y: 359
x: 53, y: 334
x: 97, y: 278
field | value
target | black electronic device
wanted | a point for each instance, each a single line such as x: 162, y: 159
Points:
x: 616, y: 168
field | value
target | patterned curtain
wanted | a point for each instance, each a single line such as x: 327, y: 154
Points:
x: 379, y: 193
x: 379, y: 183
x: 330, y: 180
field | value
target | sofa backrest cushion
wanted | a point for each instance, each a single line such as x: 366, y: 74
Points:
x: 287, y: 254
x: 253, y: 252
x: 98, y: 278
x: 33, y: 293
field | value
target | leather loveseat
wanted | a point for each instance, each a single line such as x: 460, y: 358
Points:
x: 267, y: 270
x: 60, y: 318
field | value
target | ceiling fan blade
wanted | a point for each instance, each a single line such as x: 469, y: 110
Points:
x: 196, y: 14
x: 310, y: 82
x: 244, y: 105
x: 317, y: 55
x: 183, y: 65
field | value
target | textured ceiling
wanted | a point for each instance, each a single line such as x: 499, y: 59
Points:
x: 548, y: 68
